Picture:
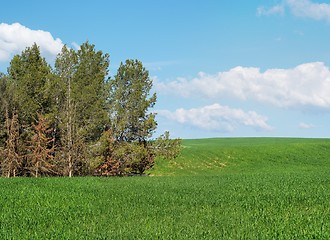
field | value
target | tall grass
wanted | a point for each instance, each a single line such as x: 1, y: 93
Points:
x: 266, y: 190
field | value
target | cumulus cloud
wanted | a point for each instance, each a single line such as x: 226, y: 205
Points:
x: 299, y: 8
x: 306, y: 85
x: 14, y: 38
x: 217, y: 118
x: 309, y: 9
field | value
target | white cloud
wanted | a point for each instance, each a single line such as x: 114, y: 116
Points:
x: 307, y: 85
x: 14, y: 38
x: 303, y: 125
x: 299, y: 8
x: 277, y: 9
x: 306, y: 8
x: 217, y: 118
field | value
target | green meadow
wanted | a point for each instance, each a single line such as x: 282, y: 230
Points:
x: 233, y: 188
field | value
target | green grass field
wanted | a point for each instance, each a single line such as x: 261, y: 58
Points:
x: 247, y: 155
x: 240, y: 188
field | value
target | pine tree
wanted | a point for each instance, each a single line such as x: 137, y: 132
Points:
x: 30, y: 74
x: 11, y: 163
x: 89, y: 91
x: 4, y: 102
x: 42, y: 149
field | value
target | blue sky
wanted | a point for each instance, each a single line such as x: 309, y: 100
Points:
x: 220, y: 68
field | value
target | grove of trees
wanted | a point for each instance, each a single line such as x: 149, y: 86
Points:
x: 74, y: 120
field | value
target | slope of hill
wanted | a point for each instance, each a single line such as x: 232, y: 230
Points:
x: 223, y: 155
x: 252, y: 188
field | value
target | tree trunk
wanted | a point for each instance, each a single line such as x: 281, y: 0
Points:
x: 37, y: 167
x: 69, y: 129
x: 70, y: 166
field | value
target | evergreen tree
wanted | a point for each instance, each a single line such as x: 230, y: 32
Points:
x: 7, y: 105
x: 41, y: 149
x: 12, y: 160
x: 3, y: 108
x: 90, y: 91
x: 28, y: 81
x: 30, y: 74
x: 130, y: 102
x: 11, y: 154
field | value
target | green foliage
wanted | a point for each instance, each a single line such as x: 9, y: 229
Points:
x: 129, y: 103
x: 166, y: 147
x: 89, y: 91
x: 4, y: 102
x: 81, y: 91
x: 79, y: 103
x: 61, y: 85
x: 30, y: 74
x: 8, y: 108
x: 126, y: 148
x: 124, y: 158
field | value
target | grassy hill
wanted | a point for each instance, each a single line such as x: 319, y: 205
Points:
x: 240, y: 188
x: 223, y: 155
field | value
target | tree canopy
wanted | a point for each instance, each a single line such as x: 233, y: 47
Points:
x: 130, y: 102
x: 73, y: 119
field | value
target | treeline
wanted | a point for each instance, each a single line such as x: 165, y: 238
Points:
x: 73, y: 120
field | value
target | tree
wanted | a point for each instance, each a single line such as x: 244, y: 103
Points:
x: 26, y: 88
x: 130, y: 102
x: 60, y: 117
x: 7, y: 105
x: 11, y: 163
x: 126, y: 146
x: 65, y: 68
x: 4, y: 102
x: 127, y: 149
x: 42, y: 149
x: 166, y: 147
x: 11, y: 155
x: 112, y: 165
x: 90, y: 91
x: 30, y: 74
x: 81, y: 102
